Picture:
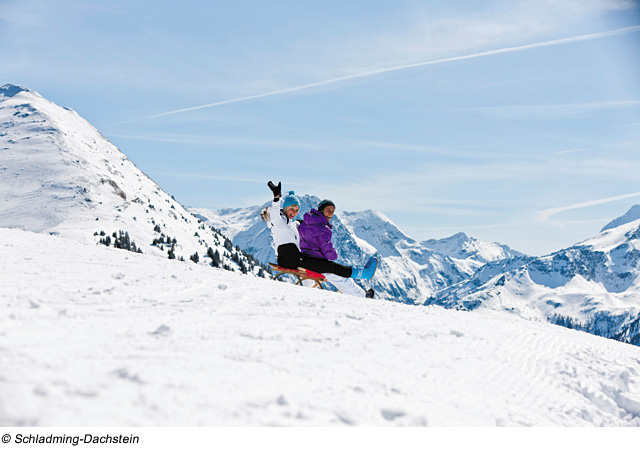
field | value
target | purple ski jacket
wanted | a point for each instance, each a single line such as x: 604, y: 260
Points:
x: 315, y: 236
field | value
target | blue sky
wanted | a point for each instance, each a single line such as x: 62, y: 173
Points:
x: 513, y: 121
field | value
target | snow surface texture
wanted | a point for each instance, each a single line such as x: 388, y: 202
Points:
x: 59, y: 175
x: 94, y: 336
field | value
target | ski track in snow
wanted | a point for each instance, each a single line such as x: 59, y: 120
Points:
x: 94, y: 336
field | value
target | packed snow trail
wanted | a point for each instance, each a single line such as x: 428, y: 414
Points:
x: 94, y: 336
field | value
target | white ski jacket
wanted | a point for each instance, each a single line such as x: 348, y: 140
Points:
x: 283, y: 229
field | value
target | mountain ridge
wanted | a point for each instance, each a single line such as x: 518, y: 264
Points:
x: 62, y: 176
x: 592, y: 286
x: 631, y: 215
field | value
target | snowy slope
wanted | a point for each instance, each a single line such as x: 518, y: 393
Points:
x: 59, y: 175
x: 93, y: 336
x: 408, y: 271
x: 593, y: 285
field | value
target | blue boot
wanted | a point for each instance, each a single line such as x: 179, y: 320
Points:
x: 366, y: 272
x: 370, y: 268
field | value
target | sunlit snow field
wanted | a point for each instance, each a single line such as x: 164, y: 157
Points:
x: 94, y: 336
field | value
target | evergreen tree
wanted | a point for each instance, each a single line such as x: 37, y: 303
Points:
x: 121, y: 240
x: 215, y: 261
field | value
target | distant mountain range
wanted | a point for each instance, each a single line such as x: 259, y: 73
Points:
x: 409, y: 271
x: 59, y: 175
x: 592, y: 286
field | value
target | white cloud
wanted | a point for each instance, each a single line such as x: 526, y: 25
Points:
x: 577, y: 150
x: 222, y: 141
x: 558, y: 111
x: 627, y: 125
x: 427, y: 32
x: 196, y: 176
x: 444, y: 188
x: 25, y: 13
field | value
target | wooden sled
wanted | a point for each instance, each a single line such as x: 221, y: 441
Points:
x: 297, y: 276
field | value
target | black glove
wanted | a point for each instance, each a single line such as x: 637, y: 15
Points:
x: 277, y: 190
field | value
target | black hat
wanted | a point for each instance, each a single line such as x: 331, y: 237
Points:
x: 324, y: 203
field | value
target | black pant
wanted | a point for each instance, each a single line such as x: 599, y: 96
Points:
x: 290, y: 257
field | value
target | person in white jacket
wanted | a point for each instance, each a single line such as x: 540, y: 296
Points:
x: 287, y: 240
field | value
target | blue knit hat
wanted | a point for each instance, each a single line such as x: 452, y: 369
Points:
x: 291, y: 200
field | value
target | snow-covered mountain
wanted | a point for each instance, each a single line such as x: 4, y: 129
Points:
x: 408, y: 271
x: 463, y: 247
x: 592, y: 286
x: 630, y: 216
x: 135, y: 340
x: 96, y: 336
x: 59, y: 175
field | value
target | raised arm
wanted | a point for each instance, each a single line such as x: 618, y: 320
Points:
x: 276, y: 205
x: 277, y: 190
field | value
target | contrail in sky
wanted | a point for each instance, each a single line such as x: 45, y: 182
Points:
x: 545, y: 215
x: 585, y: 37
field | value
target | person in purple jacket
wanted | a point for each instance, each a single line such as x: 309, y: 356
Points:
x: 315, y: 240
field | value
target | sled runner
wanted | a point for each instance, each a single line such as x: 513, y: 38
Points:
x: 298, y: 276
